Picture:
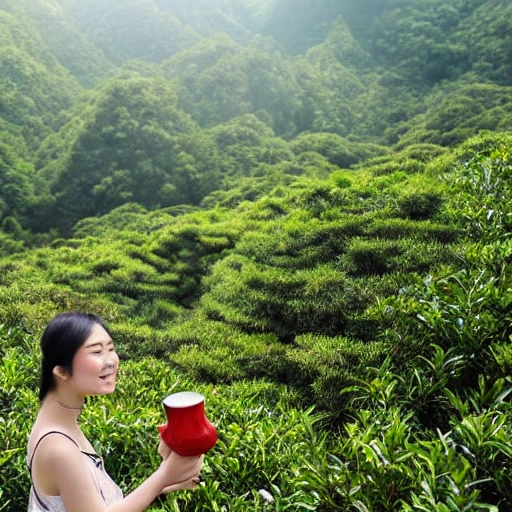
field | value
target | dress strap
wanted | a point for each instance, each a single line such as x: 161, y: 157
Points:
x: 41, y: 502
x: 42, y: 437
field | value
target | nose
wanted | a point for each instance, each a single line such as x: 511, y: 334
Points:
x: 112, y: 360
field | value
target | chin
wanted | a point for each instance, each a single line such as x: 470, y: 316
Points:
x: 112, y: 390
x: 109, y: 391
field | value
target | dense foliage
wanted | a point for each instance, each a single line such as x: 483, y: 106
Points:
x: 348, y: 291
x: 300, y: 209
x: 177, y: 86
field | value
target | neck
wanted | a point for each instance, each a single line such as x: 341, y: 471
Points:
x: 70, y: 408
x: 67, y: 406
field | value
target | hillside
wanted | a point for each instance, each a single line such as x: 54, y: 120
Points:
x: 300, y: 209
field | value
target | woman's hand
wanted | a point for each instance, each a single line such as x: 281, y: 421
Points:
x: 180, y: 472
x: 163, y: 450
x: 187, y: 484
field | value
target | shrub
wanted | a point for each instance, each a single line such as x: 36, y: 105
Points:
x: 421, y: 205
x: 264, y: 442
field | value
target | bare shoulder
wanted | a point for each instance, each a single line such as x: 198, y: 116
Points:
x: 57, y: 444
x: 58, y: 465
x: 52, y: 452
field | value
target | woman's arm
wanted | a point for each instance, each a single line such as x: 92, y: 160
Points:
x: 64, y: 472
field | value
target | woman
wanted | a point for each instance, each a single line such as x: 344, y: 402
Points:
x: 79, y: 359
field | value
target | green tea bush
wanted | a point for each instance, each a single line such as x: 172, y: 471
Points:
x: 220, y: 365
x: 128, y: 221
x: 8, y: 271
x: 394, y: 469
x: 136, y: 341
x: 310, y: 287
x: 216, y: 352
x: 264, y: 442
x: 144, y: 254
x: 461, y: 388
x: 19, y: 371
x: 417, y: 386
x: 105, y: 266
x: 418, y: 445
x: 300, y: 244
x: 426, y: 231
x: 408, y: 160
x: 33, y: 301
x: 421, y: 205
x: 423, y: 152
x: 335, y: 148
x: 459, y: 310
x: 259, y: 298
x: 341, y: 179
x: 323, y: 365
x: 502, y: 354
x: 484, y: 434
x: 9, y: 245
x: 483, y: 189
x: 159, y: 312
x: 319, y: 197
x: 380, y: 256
x: 408, y: 166
x: 468, y: 309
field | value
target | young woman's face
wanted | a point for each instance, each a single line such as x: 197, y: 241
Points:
x: 95, y: 364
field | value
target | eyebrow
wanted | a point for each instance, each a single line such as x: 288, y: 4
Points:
x: 99, y: 343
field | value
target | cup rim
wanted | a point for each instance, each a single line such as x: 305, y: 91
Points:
x: 183, y: 399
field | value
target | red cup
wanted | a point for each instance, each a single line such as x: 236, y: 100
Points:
x: 188, y: 431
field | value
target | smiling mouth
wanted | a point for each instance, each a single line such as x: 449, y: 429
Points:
x: 105, y: 377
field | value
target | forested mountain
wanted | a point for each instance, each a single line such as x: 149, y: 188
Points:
x: 299, y: 205
x: 383, y: 73
x: 36, y: 89
x: 61, y: 34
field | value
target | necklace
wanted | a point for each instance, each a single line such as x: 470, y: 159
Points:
x: 70, y: 407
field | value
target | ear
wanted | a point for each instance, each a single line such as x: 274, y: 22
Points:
x: 60, y: 373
